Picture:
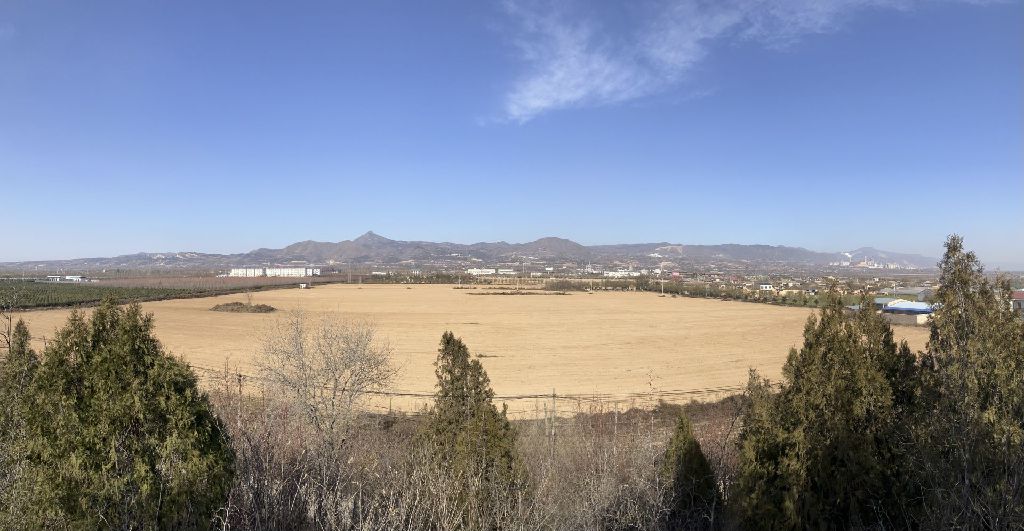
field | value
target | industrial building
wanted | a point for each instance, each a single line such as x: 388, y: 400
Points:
x: 293, y: 271
x: 274, y: 272
x: 248, y: 272
x: 902, y: 312
x: 66, y: 278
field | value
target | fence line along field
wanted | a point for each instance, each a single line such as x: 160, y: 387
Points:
x: 618, y: 346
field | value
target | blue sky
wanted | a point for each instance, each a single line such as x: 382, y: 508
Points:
x: 227, y: 126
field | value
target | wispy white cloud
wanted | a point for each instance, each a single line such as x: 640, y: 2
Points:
x: 577, y: 55
x: 572, y: 63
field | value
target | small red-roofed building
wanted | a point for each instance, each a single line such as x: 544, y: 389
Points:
x: 1017, y: 300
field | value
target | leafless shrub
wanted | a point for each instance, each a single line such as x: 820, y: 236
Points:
x: 597, y: 472
x: 596, y: 469
x: 326, y: 368
x: 307, y: 457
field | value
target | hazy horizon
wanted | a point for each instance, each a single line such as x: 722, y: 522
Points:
x: 128, y: 127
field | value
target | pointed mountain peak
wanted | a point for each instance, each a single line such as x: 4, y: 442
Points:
x: 371, y: 237
x: 554, y: 239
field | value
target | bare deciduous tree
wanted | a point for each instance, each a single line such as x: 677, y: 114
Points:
x: 327, y: 367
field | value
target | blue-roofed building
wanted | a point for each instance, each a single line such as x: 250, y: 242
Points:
x: 907, y: 312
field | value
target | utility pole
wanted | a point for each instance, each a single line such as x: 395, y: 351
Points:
x: 554, y: 420
x: 615, y: 432
x: 239, y: 417
x: 547, y: 424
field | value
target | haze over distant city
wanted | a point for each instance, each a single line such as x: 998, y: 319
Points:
x: 222, y: 128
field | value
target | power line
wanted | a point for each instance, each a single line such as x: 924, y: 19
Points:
x: 591, y: 397
x: 578, y: 397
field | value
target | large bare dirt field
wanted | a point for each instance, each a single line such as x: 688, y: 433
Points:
x: 623, y: 347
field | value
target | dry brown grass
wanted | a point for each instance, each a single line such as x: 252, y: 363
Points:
x: 621, y: 346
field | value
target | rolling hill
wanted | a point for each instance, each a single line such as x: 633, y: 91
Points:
x: 371, y: 248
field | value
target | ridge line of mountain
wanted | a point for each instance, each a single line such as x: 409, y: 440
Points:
x: 371, y: 248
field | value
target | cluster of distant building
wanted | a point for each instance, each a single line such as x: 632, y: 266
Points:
x: 486, y: 271
x: 871, y: 264
x: 274, y: 272
x: 621, y: 273
x: 904, y: 306
x: 898, y: 310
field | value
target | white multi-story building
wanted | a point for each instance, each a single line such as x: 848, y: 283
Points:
x: 477, y: 271
x: 274, y: 272
x: 621, y: 274
x: 247, y: 272
x: 293, y: 271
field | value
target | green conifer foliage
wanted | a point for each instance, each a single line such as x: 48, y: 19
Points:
x: 469, y: 436
x: 824, y: 451
x: 17, y: 369
x: 970, y: 435
x: 19, y: 366
x: 119, y: 435
x: 693, y: 495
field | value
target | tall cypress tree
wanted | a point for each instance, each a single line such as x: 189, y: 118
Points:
x: 693, y: 498
x: 19, y: 366
x: 468, y: 434
x: 970, y: 436
x: 17, y: 370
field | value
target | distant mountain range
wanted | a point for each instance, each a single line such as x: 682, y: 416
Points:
x: 373, y: 249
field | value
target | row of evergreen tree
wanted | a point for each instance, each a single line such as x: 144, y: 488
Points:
x: 864, y: 432
x: 105, y: 430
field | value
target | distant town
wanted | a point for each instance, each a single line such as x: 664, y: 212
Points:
x: 903, y: 295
